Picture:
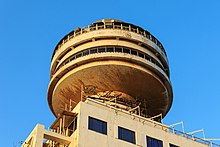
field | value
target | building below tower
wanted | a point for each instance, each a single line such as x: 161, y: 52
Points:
x: 96, y: 124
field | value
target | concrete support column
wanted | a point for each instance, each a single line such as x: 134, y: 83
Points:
x: 38, y: 136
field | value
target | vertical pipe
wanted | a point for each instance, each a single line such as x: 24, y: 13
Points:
x: 60, y: 125
x: 63, y: 125
x: 82, y: 93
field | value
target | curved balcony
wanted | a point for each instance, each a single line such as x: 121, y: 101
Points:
x: 112, y: 49
x: 125, y: 36
x: 105, y: 62
x: 111, y: 24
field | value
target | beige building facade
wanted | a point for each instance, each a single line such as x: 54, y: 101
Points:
x: 84, y: 136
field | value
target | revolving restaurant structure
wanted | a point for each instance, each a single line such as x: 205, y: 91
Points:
x: 117, y: 59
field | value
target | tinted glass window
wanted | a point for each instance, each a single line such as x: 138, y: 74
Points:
x: 133, y: 52
x: 118, y: 49
x: 152, y: 142
x: 93, y: 51
x: 78, y: 55
x: 146, y: 57
x: 97, y: 125
x: 109, y: 26
x: 126, y: 135
x: 125, y: 50
x: 109, y: 49
x: 141, y: 55
x: 85, y: 52
x: 72, y: 58
x: 101, y: 50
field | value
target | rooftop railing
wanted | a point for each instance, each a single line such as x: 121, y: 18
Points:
x: 99, y: 26
x: 159, y: 125
x: 112, y: 49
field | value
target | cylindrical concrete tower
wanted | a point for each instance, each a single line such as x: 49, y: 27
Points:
x: 120, y: 60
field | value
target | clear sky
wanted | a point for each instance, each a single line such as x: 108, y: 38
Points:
x: 29, y: 31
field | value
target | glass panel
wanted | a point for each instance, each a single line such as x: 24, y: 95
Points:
x: 97, y: 125
x: 109, y: 49
x: 160, y: 143
x: 78, y: 55
x: 108, y: 26
x: 118, y: 49
x: 146, y: 57
x: 149, y: 142
x: 72, y: 58
x: 100, y: 50
x: 86, y: 52
x: 126, y: 135
x: 125, y: 50
x: 141, y: 55
x: 133, y: 52
x: 93, y: 51
x: 152, y: 142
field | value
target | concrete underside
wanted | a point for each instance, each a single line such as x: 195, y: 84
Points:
x: 125, y: 77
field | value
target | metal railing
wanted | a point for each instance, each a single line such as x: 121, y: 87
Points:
x: 113, y: 49
x: 161, y: 126
x: 122, y: 26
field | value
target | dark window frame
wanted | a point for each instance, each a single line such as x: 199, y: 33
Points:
x: 101, y: 49
x: 109, y: 49
x: 126, y: 135
x: 93, y: 51
x: 134, y: 52
x: 153, y: 142
x: 97, y: 125
x: 141, y: 54
x: 118, y: 49
x: 126, y: 50
x: 86, y: 52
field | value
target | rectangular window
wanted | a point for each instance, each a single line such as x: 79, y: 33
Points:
x: 97, y: 125
x: 126, y: 135
x: 148, y: 58
x: 100, y: 50
x: 141, y: 55
x: 171, y: 145
x: 93, y: 51
x: 78, y: 55
x: 109, y: 49
x: 85, y: 52
x: 108, y: 25
x: 152, y: 142
x: 72, y: 58
x: 126, y: 50
x: 133, y: 52
x: 118, y: 49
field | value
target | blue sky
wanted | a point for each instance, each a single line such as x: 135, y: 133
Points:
x: 29, y: 31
